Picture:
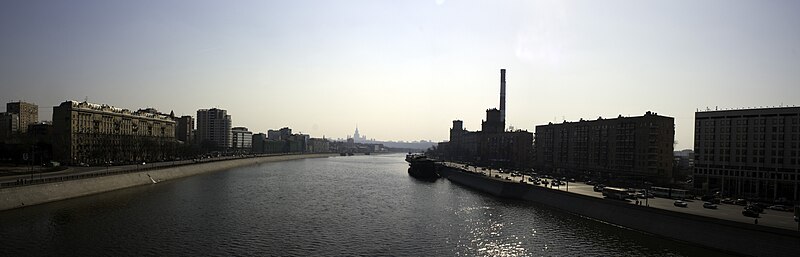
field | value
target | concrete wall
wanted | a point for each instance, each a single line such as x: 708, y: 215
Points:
x: 724, y: 235
x: 17, y: 197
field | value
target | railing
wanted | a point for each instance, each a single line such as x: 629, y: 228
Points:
x: 154, y: 166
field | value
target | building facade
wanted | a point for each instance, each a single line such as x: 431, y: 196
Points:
x: 751, y: 153
x: 98, y: 134
x: 259, y: 143
x: 241, y: 139
x: 492, y: 146
x: 214, y: 127
x: 280, y: 134
x: 9, y: 124
x: 634, y: 148
x: 185, y: 126
x: 318, y: 145
x: 28, y: 114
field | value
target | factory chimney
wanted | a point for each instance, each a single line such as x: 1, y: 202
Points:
x: 503, y: 95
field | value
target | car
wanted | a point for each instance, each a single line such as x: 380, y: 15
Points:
x: 680, y: 203
x: 709, y: 205
x: 750, y: 213
x: 497, y: 176
x: 727, y: 201
x: 779, y: 207
x: 741, y: 202
x: 754, y: 208
x: 598, y: 188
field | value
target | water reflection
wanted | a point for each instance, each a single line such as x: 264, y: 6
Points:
x: 356, y: 205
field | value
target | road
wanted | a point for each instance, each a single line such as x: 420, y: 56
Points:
x: 73, y: 170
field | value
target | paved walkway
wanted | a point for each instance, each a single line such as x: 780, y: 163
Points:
x: 772, y: 218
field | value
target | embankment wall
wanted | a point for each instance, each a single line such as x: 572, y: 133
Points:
x: 724, y: 235
x: 16, y: 197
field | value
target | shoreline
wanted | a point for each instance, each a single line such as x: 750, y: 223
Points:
x: 19, y: 197
x: 723, y: 235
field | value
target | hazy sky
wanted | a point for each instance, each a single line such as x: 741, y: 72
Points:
x: 403, y: 70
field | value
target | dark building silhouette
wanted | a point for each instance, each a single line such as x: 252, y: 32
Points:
x: 494, y: 122
x: 492, y: 145
x: 280, y: 134
x: 9, y: 125
x: 637, y: 148
x: 503, y: 95
x: 185, y: 125
x: 751, y: 153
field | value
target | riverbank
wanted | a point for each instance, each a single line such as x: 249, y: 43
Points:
x: 17, y: 197
x: 724, y: 235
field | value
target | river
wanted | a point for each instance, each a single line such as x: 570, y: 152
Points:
x: 338, y: 206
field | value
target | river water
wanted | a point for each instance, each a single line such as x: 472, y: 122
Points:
x: 338, y: 206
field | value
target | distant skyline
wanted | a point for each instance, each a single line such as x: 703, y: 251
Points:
x: 403, y: 70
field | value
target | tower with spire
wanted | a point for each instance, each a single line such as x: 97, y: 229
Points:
x: 357, y: 137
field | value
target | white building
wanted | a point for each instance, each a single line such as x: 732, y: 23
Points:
x: 242, y: 139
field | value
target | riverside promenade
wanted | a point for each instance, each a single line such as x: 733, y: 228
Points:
x: 25, y: 190
x: 731, y: 212
x: 723, y: 230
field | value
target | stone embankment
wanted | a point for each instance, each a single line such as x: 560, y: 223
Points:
x: 16, y: 197
x: 724, y: 235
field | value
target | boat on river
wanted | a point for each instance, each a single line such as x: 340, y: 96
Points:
x: 422, y: 167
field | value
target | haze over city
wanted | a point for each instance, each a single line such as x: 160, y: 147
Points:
x: 403, y: 70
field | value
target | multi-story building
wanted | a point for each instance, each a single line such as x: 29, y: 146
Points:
x: 753, y: 153
x: 463, y: 144
x: 492, y: 145
x: 318, y: 145
x: 241, y: 139
x: 635, y: 148
x: 9, y: 124
x: 185, y: 126
x: 280, y: 134
x: 28, y: 114
x: 95, y: 134
x: 214, y: 126
x: 259, y: 143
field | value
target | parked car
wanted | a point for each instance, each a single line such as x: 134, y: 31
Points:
x: 727, y: 201
x: 754, y: 208
x: 750, y: 213
x: 709, y: 205
x: 779, y: 208
x: 680, y: 203
x: 598, y: 188
x: 741, y: 202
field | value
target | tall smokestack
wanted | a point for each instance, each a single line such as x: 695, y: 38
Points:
x: 503, y: 95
